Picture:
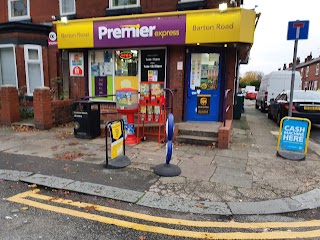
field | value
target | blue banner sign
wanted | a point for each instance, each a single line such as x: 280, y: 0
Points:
x: 294, y: 134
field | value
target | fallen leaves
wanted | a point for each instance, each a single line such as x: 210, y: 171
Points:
x: 23, y: 128
x: 89, y: 208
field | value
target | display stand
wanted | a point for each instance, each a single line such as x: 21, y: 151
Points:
x: 152, y: 110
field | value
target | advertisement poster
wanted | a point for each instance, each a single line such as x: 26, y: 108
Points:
x: 203, y: 104
x: 100, y: 86
x: 76, y: 64
x: 153, y: 65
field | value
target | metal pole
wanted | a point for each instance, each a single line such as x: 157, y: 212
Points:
x: 293, y: 70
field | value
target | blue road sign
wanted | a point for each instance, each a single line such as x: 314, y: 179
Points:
x: 298, y: 30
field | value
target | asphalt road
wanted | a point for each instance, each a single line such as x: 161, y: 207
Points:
x: 57, y: 214
x: 315, y: 133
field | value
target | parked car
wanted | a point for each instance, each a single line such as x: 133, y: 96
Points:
x: 274, y: 83
x: 305, y: 104
x: 251, y: 95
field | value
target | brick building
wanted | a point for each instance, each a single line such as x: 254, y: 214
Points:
x: 97, y: 47
x: 309, y: 70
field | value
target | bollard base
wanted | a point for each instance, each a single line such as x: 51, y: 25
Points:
x: 118, y: 162
x: 291, y: 155
x: 167, y: 170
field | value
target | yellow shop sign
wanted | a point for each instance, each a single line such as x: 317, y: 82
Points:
x: 217, y: 27
x: 75, y: 35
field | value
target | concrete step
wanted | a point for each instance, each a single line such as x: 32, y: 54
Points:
x: 198, y: 132
x: 197, y: 140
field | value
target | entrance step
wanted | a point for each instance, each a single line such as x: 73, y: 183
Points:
x: 198, y: 133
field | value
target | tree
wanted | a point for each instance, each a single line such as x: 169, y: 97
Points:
x: 251, y: 78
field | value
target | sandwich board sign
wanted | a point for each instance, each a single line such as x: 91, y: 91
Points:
x: 293, y: 138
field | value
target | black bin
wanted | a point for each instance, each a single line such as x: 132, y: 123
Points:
x: 86, y: 118
x: 237, y: 108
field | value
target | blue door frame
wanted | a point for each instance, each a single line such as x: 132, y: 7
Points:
x: 203, y: 91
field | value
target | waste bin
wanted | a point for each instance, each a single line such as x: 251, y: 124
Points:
x: 86, y: 118
x: 237, y: 108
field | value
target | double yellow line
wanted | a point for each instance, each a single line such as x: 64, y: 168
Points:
x: 23, y: 198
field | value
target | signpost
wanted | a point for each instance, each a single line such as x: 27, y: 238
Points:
x: 293, y: 138
x: 296, y: 30
x: 294, y: 132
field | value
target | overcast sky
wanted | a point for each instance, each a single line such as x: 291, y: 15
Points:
x: 271, y: 49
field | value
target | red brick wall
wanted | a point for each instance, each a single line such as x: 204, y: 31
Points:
x: 77, y: 87
x: 175, y: 79
x: 42, y: 10
x: 42, y: 108
x: 9, y: 105
x: 62, y: 111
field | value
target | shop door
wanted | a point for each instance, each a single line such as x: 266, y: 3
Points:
x: 203, y: 98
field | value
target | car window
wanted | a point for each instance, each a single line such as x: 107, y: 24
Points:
x: 278, y: 97
x: 283, y: 97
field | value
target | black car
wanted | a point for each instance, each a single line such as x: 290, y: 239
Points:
x: 306, y: 104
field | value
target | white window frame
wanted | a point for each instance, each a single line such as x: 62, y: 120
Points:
x: 15, y: 59
x: 18, y: 18
x: 123, y: 6
x: 32, y: 61
x: 307, y: 71
x: 67, y: 13
x: 317, y: 69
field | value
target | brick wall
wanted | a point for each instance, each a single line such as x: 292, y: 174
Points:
x: 175, y: 79
x: 9, y: 105
x: 62, y: 112
x: 42, y: 108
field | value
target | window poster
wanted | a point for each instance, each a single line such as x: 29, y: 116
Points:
x: 76, y: 64
x: 153, y: 65
x: 195, y: 75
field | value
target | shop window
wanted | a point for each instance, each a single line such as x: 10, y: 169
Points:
x: 124, y: 3
x: 126, y: 69
x: 34, y: 69
x: 8, y: 71
x: 67, y: 7
x: 19, y: 10
x: 317, y: 69
x: 205, y: 71
x: 101, y: 71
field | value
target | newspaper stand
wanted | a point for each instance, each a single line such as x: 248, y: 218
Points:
x: 152, y: 110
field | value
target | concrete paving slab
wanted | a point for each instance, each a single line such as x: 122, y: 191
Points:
x: 105, y: 191
x: 31, y: 150
x: 48, y: 181
x: 7, y: 145
x: 176, y: 204
x: 13, y: 175
x: 233, y: 153
x: 265, y: 207
x: 194, y: 169
x: 309, y: 199
x: 230, y: 162
x: 232, y: 177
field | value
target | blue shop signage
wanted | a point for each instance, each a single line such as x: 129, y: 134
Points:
x: 294, y: 134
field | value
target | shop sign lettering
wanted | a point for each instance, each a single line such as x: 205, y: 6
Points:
x: 147, y: 31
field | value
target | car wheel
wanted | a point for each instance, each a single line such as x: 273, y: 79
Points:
x: 257, y: 106
x: 269, y: 114
x: 263, y: 108
x: 279, y: 117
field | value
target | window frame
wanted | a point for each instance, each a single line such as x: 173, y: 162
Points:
x: 18, y: 18
x: 317, y: 69
x: 15, y: 60
x: 68, y: 13
x: 307, y: 71
x: 28, y: 61
x: 123, y: 6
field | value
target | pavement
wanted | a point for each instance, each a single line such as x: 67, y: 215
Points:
x: 248, y: 178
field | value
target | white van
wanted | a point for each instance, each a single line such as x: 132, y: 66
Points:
x: 273, y: 84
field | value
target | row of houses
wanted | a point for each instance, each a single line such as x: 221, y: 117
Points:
x: 54, y: 50
x: 309, y: 70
